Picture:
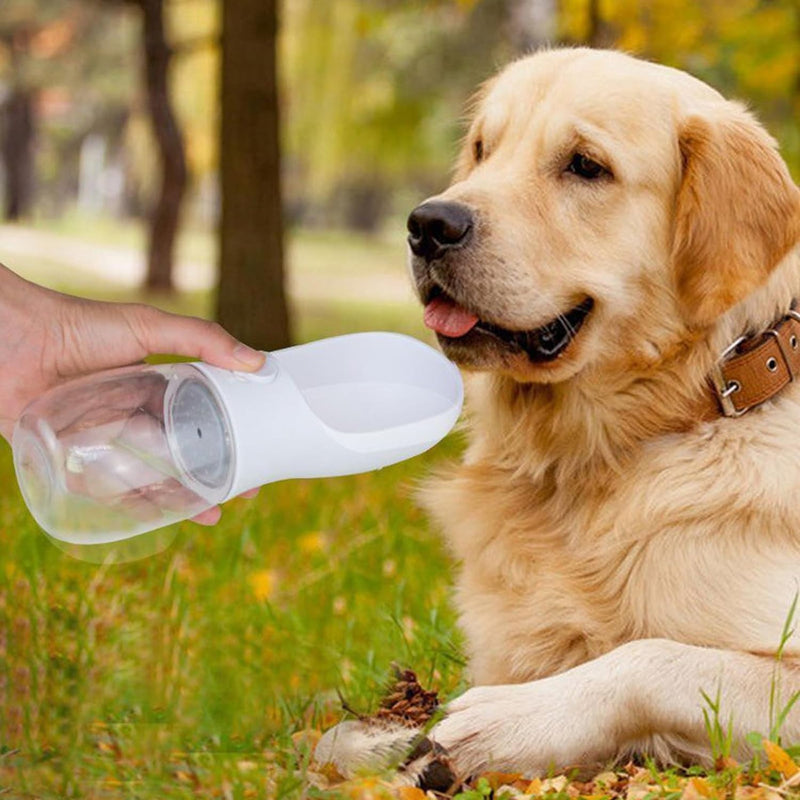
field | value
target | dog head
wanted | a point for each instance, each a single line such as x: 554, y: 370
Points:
x: 602, y: 208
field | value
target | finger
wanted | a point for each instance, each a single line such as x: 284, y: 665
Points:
x: 162, y: 332
x: 208, y: 517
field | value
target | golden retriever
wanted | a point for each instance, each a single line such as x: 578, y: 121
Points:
x: 613, y: 226
x: 624, y: 546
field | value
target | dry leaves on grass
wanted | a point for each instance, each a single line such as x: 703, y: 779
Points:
x: 774, y: 775
x: 778, y: 779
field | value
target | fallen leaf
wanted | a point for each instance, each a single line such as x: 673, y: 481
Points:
x: 725, y: 762
x: 318, y: 780
x: 754, y: 793
x: 330, y: 773
x: 779, y: 759
x: 368, y: 788
x: 509, y: 792
x: 557, y: 784
x: 606, y: 779
x: 698, y: 789
x: 498, y: 779
x: 306, y: 739
x: 638, y: 791
x: 411, y: 793
x: 534, y: 787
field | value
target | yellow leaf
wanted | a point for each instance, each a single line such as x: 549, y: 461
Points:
x: 498, y: 779
x: 312, y: 542
x: 557, y: 784
x: 306, y: 739
x: 606, y: 778
x: 638, y: 791
x: 368, y: 788
x: 534, y: 787
x: 262, y: 583
x: 411, y: 793
x: 697, y: 789
x: 779, y: 759
x: 330, y: 773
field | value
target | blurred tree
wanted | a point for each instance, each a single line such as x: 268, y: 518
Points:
x: 17, y: 114
x: 748, y: 49
x: 377, y: 89
x: 18, y: 27
x: 62, y: 77
x: 252, y: 300
x: 166, y: 212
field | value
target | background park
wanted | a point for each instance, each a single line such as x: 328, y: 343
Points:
x: 254, y: 162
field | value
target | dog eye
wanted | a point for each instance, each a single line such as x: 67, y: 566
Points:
x: 477, y: 150
x: 585, y: 167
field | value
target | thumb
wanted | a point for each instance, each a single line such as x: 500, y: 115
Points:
x: 161, y: 332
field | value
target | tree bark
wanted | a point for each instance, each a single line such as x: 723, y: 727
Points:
x: 165, y: 216
x: 252, y: 299
x: 17, y: 147
x: 600, y: 33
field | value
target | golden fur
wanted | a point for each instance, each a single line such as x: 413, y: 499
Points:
x: 592, y: 509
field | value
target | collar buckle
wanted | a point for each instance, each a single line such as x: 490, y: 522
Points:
x: 723, y: 388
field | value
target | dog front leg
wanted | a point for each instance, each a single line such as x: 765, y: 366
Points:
x: 644, y: 696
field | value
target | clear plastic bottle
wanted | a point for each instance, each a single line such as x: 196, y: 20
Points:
x: 114, y: 455
x: 123, y: 452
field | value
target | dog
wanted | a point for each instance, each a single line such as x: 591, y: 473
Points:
x: 626, y: 544
x: 614, y: 268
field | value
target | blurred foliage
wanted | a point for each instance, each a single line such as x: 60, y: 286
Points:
x: 373, y: 89
x: 184, y: 675
x: 79, y: 61
x: 747, y: 49
x: 385, y: 84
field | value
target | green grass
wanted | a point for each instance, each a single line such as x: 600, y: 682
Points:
x: 185, y: 674
x: 216, y: 650
x: 213, y: 652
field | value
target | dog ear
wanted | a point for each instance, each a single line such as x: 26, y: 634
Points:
x: 738, y: 212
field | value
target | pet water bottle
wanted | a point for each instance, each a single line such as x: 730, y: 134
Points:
x: 114, y: 455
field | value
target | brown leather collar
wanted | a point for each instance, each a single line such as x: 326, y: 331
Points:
x: 755, y: 368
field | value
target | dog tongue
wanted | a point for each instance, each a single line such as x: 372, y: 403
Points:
x: 445, y: 316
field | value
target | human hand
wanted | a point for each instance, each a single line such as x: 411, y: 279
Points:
x: 47, y: 338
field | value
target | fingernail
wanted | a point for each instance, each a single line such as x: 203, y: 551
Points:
x: 247, y: 356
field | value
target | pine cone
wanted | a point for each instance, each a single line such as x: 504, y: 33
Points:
x: 406, y: 701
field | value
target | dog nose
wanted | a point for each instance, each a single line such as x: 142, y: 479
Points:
x: 436, y: 227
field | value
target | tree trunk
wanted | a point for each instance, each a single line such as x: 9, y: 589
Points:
x: 17, y: 146
x: 165, y: 217
x: 252, y: 299
x: 600, y: 33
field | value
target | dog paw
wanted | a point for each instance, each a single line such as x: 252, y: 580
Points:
x: 356, y: 746
x: 529, y: 728
x: 359, y: 746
